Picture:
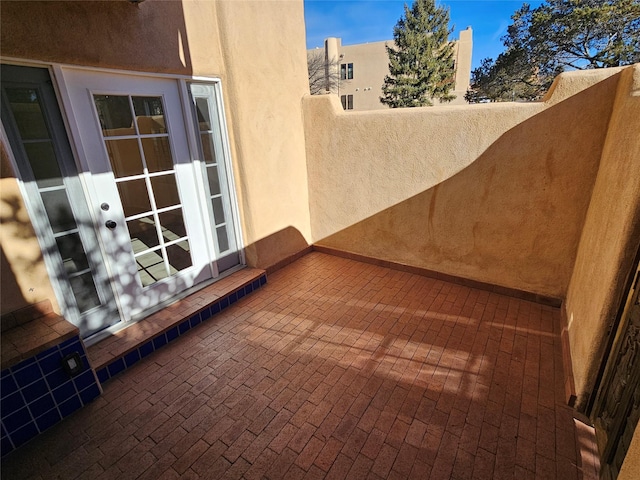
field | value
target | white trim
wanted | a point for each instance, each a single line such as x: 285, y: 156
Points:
x: 42, y: 63
x: 233, y: 196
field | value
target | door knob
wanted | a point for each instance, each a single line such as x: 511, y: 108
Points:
x: 110, y: 224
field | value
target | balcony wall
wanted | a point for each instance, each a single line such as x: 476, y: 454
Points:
x: 496, y: 193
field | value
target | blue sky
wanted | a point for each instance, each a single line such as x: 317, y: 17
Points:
x: 360, y: 21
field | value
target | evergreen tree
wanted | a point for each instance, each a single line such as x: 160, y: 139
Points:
x: 421, y: 65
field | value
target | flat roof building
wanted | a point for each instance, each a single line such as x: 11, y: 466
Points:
x: 361, y: 69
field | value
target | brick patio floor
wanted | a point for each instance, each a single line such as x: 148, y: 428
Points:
x: 335, y: 369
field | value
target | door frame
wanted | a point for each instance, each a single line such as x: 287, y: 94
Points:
x: 75, y: 141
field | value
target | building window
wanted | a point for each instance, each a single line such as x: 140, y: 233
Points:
x: 347, y: 102
x: 346, y: 71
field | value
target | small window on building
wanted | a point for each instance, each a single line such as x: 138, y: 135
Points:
x: 346, y: 71
x: 347, y: 102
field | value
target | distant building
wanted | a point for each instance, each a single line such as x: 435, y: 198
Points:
x: 362, y: 68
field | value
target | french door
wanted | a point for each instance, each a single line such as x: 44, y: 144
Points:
x: 153, y: 176
x: 150, y: 205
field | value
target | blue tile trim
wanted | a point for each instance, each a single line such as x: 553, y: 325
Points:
x: 37, y: 393
x: 39, y: 384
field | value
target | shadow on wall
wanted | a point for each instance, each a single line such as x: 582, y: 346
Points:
x: 277, y: 249
x: 26, y: 257
x: 147, y: 37
x: 513, y: 217
x: 12, y: 298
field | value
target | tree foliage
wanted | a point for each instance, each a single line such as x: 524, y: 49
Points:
x: 421, y: 60
x: 557, y: 36
x: 323, y: 73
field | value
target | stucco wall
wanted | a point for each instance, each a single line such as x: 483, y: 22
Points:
x: 610, y: 239
x: 496, y: 193
x: 24, y: 276
x: 255, y: 47
x: 263, y: 46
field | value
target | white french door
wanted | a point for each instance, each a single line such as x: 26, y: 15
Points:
x: 144, y: 209
x: 143, y: 185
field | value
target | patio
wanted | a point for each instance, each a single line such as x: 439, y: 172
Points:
x: 336, y: 369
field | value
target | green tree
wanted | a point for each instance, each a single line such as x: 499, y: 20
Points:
x: 557, y: 36
x: 421, y: 65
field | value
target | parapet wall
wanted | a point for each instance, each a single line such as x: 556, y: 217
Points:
x: 496, y: 193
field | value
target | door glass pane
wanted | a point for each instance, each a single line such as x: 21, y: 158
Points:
x: 208, y: 150
x: 58, y: 210
x: 157, y: 154
x: 134, y: 197
x: 25, y: 106
x: 202, y: 111
x: 151, y: 267
x: 143, y: 233
x: 85, y: 291
x: 165, y: 190
x: 149, y: 115
x: 44, y: 164
x: 214, y: 180
x: 172, y: 225
x: 73, y: 257
x: 124, y: 156
x: 115, y: 116
x: 179, y: 256
x: 223, y: 238
x: 218, y: 210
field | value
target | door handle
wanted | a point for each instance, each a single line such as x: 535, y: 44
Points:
x: 110, y: 224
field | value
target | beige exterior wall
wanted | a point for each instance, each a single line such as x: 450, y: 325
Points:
x: 496, y: 193
x: 610, y: 238
x: 371, y: 64
x: 24, y: 275
x: 246, y: 44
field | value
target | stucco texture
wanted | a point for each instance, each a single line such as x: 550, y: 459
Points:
x: 494, y: 193
x: 610, y: 238
x: 256, y: 48
x: 24, y: 276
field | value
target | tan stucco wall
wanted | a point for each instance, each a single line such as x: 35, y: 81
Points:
x: 24, y: 278
x: 255, y: 47
x: 496, y: 193
x: 610, y: 239
x: 265, y: 57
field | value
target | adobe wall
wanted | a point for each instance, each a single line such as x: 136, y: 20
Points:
x: 496, y: 193
x: 610, y: 238
x: 248, y: 45
x: 24, y: 278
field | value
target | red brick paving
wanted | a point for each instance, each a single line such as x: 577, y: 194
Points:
x: 336, y: 369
